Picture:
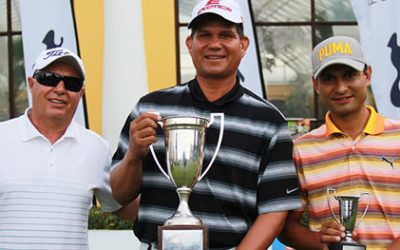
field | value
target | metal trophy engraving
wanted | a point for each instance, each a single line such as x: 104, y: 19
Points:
x: 184, y: 138
x: 347, y: 217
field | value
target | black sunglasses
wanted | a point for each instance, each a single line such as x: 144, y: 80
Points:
x: 50, y: 79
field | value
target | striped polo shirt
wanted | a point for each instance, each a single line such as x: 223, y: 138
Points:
x: 327, y: 158
x: 253, y: 172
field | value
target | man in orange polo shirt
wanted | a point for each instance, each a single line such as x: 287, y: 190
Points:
x: 357, y: 150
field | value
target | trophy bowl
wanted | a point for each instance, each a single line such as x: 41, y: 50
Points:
x: 184, y: 138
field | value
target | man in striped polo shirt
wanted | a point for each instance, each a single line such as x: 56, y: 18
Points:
x: 244, y: 198
x: 357, y: 150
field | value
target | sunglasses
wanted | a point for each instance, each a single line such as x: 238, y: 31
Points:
x: 50, y: 79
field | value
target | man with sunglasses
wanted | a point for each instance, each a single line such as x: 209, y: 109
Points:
x: 244, y: 198
x: 50, y: 165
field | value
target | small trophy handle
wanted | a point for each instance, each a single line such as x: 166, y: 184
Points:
x: 366, y: 208
x: 329, y: 203
x: 221, y: 133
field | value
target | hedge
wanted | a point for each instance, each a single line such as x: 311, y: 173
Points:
x: 103, y: 220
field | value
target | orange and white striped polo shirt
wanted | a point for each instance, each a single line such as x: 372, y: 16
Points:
x: 327, y: 158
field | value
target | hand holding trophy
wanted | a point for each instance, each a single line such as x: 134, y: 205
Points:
x: 184, y: 145
x: 347, y: 217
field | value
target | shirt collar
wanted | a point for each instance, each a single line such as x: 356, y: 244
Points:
x: 236, y: 92
x: 375, y: 124
x: 29, y: 132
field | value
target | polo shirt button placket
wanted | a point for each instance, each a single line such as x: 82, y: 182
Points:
x: 357, y: 141
x: 51, y: 157
x: 354, y: 144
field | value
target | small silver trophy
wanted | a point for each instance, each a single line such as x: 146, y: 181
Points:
x: 347, y: 217
x: 184, y: 145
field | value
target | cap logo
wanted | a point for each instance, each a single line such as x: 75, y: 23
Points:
x: 334, y: 48
x: 57, y: 53
x: 213, y: 4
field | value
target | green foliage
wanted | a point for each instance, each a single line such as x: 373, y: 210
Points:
x: 103, y: 220
x: 304, y: 218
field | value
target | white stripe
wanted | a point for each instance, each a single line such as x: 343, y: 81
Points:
x: 235, y: 158
x: 281, y: 170
x: 248, y: 126
x: 154, y: 214
x: 219, y: 190
x: 227, y: 192
x: 289, y: 203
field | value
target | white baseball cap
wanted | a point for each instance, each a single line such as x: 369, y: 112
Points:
x: 337, y: 50
x: 227, y: 9
x: 49, y: 56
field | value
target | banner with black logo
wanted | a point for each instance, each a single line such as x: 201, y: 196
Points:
x: 380, y: 36
x: 48, y: 24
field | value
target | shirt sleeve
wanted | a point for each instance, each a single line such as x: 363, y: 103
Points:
x: 278, y: 188
x: 103, y: 193
x: 300, y: 175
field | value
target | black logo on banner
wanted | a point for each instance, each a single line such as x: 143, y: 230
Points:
x: 395, y: 58
x: 49, y: 40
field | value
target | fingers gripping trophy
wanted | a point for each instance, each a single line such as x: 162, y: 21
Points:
x: 347, y: 217
x: 184, y: 138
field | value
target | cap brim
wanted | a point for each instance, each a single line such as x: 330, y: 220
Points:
x: 344, y: 61
x: 233, y: 19
x: 68, y: 59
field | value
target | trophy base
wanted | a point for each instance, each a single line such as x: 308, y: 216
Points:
x: 182, y: 237
x: 346, y: 246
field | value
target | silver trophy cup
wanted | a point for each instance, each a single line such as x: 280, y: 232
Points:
x: 347, y: 217
x: 184, y: 145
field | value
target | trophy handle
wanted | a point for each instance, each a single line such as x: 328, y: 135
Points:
x: 221, y: 133
x: 154, y: 154
x: 366, y: 208
x: 329, y: 203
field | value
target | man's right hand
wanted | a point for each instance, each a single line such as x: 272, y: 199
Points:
x: 126, y: 177
x: 331, y: 232
x: 142, y: 133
